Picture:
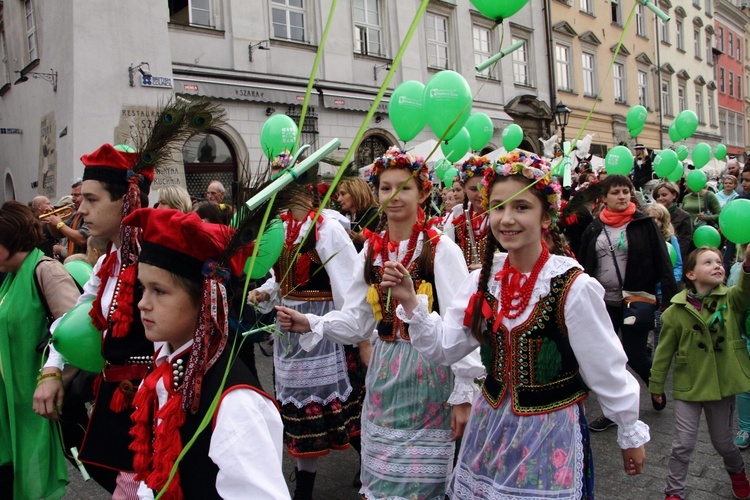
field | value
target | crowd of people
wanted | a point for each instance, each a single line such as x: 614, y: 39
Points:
x: 449, y: 336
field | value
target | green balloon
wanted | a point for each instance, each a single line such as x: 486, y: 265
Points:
x: 636, y: 132
x: 457, y: 147
x: 619, y: 161
x: 441, y: 166
x: 512, y: 137
x: 449, y: 175
x: 677, y: 173
x: 701, y: 155
x: 672, y: 253
x: 447, y: 103
x: 480, y: 129
x: 665, y: 162
x: 80, y: 271
x: 125, y: 148
x: 674, y: 135
x: 497, y: 10
x: 686, y: 123
x: 78, y: 340
x: 406, y: 110
x: 706, y: 236
x: 637, y: 117
x: 720, y: 151
x: 269, y: 250
x: 278, y: 134
x: 734, y: 221
x: 696, y: 180
x: 682, y: 152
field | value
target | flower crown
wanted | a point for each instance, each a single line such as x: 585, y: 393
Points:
x: 532, y: 167
x: 474, y: 166
x: 396, y: 158
x: 282, y: 161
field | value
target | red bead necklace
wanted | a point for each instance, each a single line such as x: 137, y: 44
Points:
x: 294, y: 227
x: 477, y: 221
x: 392, y: 246
x: 515, y: 295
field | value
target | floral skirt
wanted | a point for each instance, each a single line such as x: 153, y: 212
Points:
x: 505, y: 456
x: 407, y: 452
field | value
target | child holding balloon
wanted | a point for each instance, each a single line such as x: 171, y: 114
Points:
x: 701, y: 332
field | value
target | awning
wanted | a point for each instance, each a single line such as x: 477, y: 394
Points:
x: 256, y: 92
x: 334, y: 99
x: 499, y: 118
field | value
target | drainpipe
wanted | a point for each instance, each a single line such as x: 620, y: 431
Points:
x: 550, y: 62
x: 658, y: 86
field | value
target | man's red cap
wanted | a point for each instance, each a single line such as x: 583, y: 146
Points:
x: 109, y: 164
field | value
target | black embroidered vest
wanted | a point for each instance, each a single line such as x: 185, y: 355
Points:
x: 464, y: 243
x: 535, y: 360
x: 318, y: 285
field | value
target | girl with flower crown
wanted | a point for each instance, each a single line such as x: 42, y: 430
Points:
x: 407, y: 448
x: 545, y: 340
x: 319, y: 408
x: 457, y: 225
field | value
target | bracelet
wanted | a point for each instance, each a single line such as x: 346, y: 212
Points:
x: 59, y: 225
x: 41, y: 377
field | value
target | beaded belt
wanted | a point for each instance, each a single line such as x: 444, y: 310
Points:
x: 135, y: 368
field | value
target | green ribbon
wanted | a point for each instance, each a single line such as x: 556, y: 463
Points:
x: 717, y: 317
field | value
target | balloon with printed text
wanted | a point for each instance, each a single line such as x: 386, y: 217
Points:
x: 441, y: 166
x: 512, y: 137
x: 447, y: 103
x: 619, y: 161
x: 665, y: 162
x: 636, y: 118
x: 449, y: 175
x: 682, y: 152
x: 636, y: 132
x: 278, y: 134
x: 406, y: 110
x: 701, y: 155
x: 686, y: 123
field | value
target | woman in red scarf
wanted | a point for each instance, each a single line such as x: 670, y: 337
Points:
x: 624, y: 250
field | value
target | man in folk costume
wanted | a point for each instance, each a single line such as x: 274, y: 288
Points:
x: 184, y: 306
x: 111, y: 190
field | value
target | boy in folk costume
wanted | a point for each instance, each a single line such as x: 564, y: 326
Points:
x: 111, y: 190
x: 184, y: 306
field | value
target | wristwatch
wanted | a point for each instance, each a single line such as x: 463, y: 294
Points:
x: 59, y: 225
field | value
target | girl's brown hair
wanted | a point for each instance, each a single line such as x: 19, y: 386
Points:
x: 360, y: 192
x: 20, y: 230
x: 691, y: 261
x: 664, y: 216
x: 478, y: 324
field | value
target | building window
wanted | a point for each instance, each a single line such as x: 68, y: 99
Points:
x: 697, y: 43
x: 666, y: 92
x: 709, y: 53
x: 679, y: 35
x: 739, y: 87
x: 697, y: 3
x: 368, y: 31
x: 738, y: 49
x: 699, y: 107
x: 438, y: 48
x: 730, y: 44
x: 664, y: 31
x: 370, y: 149
x: 640, y: 20
x: 482, y: 48
x: 723, y: 126
x: 731, y: 84
x: 711, y: 111
x: 720, y: 38
x: 587, y: 6
x: 521, y: 63
x: 708, y: 7
x: 681, y: 105
x: 643, y: 89
x: 195, y: 12
x: 616, y: 12
x: 722, y: 88
x: 562, y: 62
x: 618, y: 76
x: 288, y: 19
x: 30, y: 31
x: 206, y: 157
x: 5, y: 75
x: 588, y: 66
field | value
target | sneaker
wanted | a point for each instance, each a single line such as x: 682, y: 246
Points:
x: 659, y: 406
x: 601, y: 424
x: 740, y: 485
x: 742, y: 439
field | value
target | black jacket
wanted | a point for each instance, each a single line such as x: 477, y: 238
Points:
x: 648, y: 260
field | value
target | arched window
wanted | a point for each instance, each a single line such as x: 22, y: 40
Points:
x: 371, y: 148
x: 9, y: 191
x: 208, y: 157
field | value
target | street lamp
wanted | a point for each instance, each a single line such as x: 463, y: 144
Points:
x: 562, y: 114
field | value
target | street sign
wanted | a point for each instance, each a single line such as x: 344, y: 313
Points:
x: 162, y: 82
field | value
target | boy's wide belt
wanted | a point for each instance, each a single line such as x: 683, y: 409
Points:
x: 117, y: 373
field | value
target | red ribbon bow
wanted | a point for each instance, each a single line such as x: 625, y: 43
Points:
x: 486, y: 308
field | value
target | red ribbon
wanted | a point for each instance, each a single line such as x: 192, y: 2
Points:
x: 469, y: 313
